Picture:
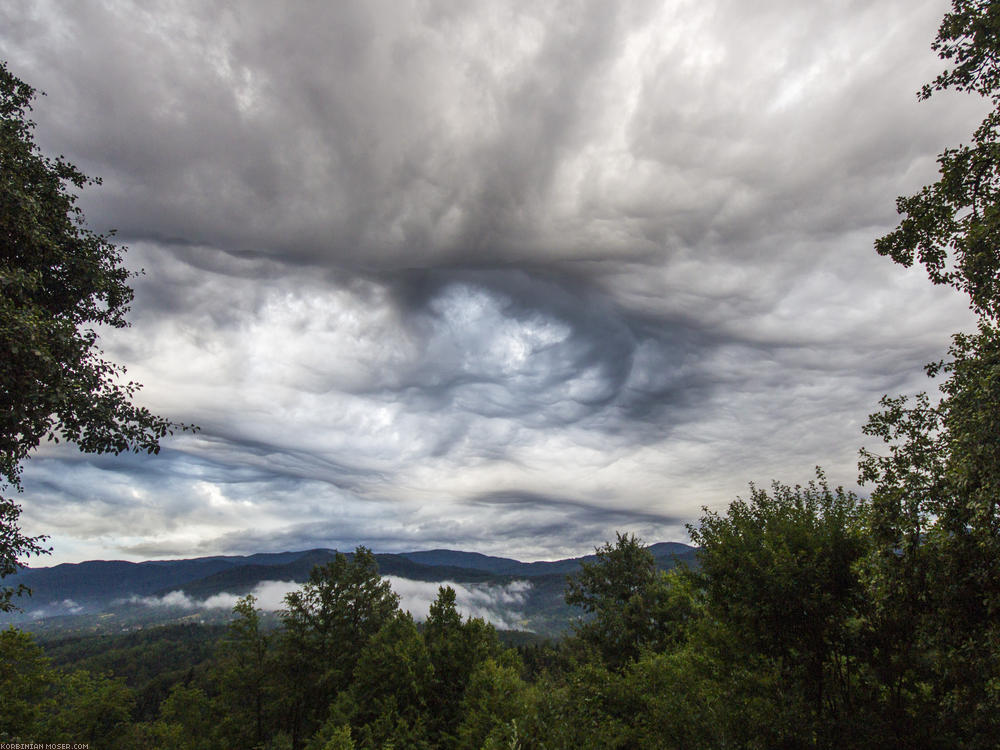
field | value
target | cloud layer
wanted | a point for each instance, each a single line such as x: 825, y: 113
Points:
x: 500, y: 276
x: 500, y: 605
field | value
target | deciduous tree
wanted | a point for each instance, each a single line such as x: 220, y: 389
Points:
x: 625, y: 596
x: 327, y: 624
x: 778, y: 571
x: 936, y: 485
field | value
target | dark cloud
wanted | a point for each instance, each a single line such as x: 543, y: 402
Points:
x: 581, y: 512
x: 487, y: 275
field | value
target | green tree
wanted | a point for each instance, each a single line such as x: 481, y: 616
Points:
x: 15, y: 548
x: 692, y: 698
x: 243, y: 669
x: 332, y: 737
x: 26, y: 681
x: 584, y: 709
x: 456, y: 649
x: 387, y: 700
x: 934, y: 573
x: 780, y: 582
x: 42, y: 704
x: 90, y: 708
x: 908, y: 487
x: 58, y: 282
x: 187, y: 719
x: 326, y: 625
x: 953, y: 226
x: 626, y: 599
x: 494, y: 702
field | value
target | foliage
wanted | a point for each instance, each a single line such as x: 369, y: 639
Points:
x: 244, y: 668
x: 25, y: 685
x: 631, y: 604
x: 95, y: 709
x: 332, y: 737
x: 778, y: 568
x: 393, y: 674
x: 953, y: 226
x: 15, y: 547
x: 38, y: 703
x: 188, y: 718
x: 150, y: 661
x: 58, y: 283
x: 493, y: 703
x: 934, y: 519
x: 455, y: 648
x: 326, y: 626
x: 781, y: 590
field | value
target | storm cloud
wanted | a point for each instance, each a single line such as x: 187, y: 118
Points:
x: 502, y: 276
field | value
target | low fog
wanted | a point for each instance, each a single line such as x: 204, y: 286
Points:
x: 499, y: 605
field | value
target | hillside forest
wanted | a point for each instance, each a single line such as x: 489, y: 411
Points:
x: 814, y: 617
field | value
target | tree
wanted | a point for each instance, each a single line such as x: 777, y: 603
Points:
x: 327, y: 624
x: 39, y: 703
x: 89, y: 707
x: 187, y: 719
x: 15, y: 547
x: 456, y: 649
x: 243, y: 672
x: 778, y: 571
x: 934, y: 574
x: 953, y: 226
x: 494, y: 702
x: 624, y: 594
x: 390, y: 686
x: 58, y: 282
x: 26, y: 680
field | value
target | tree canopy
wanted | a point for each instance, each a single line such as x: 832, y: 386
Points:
x: 953, y: 226
x: 935, y: 498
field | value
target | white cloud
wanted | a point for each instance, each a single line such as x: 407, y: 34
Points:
x: 270, y: 597
x: 498, y: 604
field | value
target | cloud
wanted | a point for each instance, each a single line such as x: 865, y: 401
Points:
x: 270, y: 596
x: 498, y: 604
x: 502, y: 276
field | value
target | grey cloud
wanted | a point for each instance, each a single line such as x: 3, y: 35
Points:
x: 581, y: 511
x: 317, y: 138
x: 370, y: 136
x: 405, y: 260
x: 529, y: 526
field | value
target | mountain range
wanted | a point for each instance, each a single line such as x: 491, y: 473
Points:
x: 114, y: 595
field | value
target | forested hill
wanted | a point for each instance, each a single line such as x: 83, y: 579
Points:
x: 665, y: 553
x: 113, y: 594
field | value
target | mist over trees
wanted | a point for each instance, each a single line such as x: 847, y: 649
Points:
x: 815, y: 618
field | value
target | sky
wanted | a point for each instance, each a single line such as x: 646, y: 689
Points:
x: 497, y: 276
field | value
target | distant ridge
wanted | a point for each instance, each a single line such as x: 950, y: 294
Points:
x: 663, y: 552
x: 67, y: 593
